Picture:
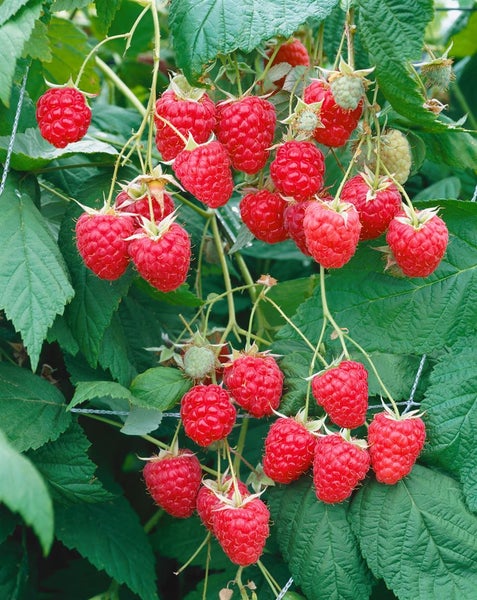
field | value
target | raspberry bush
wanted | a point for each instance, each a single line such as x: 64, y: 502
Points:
x: 237, y: 300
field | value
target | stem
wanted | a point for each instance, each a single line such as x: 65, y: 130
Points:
x: 240, y: 445
x: 327, y: 314
x: 153, y: 521
x: 464, y: 104
x: 349, y: 36
x: 376, y: 374
x: 95, y: 49
x: 290, y: 322
x: 196, y: 553
x: 152, y: 96
x: 121, y: 86
x: 238, y: 581
x: 268, y: 578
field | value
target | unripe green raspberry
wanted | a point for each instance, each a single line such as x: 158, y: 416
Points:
x: 395, y: 154
x: 198, y: 362
x: 348, y: 91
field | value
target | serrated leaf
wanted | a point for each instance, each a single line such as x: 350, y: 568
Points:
x: 68, y: 4
x: 38, y: 45
x: 106, y: 10
x: 141, y: 421
x: 449, y: 187
x: 317, y: 542
x: 182, y: 296
x: 159, y: 388
x: 110, y: 536
x: 32, y: 411
x: 288, y: 295
x: 418, y: 535
x: 202, y: 30
x: 31, y: 151
x: 67, y: 469
x: 452, y: 147
x: 34, y: 285
x: 23, y: 491
x: 114, y: 353
x: 393, y: 32
x: 14, y: 32
x: 404, y: 316
x: 69, y: 46
x: 450, y: 406
x: 89, y: 390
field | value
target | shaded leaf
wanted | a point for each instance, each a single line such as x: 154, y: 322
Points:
x: 110, y: 536
x: 141, y: 421
x: 23, y: 490
x: 418, y: 535
x: 14, y: 571
x: 32, y: 411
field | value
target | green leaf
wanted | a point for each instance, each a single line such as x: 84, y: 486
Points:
x: 110, y: 536
x: 141, y: 421
x: 452, y: 147
x: 15, y: 30
x: 114, y: 352
x: 393, y: 32
x: 464, y: 43
x: 14, y: 571
x: 88, y: 390
x: 317, y: 542
x: 106, y: 9
x: 8, y: 522
x: 202, y: 30
x: 32, y: 411
x: 418, y: 535
x: 69, y: 46
x: 96, y: 300
x: 160, y: 388
x: 34, y: 285
x: 23, y: 490
x: 403, y: 316
x: 38, y: 45
x: 288, y: 295
x: 450, y: 406
x: 66, y: 467
x: 31, y: 151
x: 68, y: 4
x: 449, y: 187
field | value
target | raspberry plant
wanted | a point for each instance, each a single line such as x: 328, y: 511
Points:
x: 201, y: 220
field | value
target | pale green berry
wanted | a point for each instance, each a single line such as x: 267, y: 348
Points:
x: 198, y: 362
x: 348, y: 91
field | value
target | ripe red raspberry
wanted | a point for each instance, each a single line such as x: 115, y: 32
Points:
x: 161, y: 255
x: 173, y: 480
x: 297, y: 169
x: 207, y: 413
x: 394, y: 445
x: 337, y: 122
x: 331, y: 232
x: 293, y: 222
x: 205, y: 172
x: 63, y: 115
x: 339, y: 465
x: 292, y: 52
x: 101, y: 242
x: 418, y: 240
x: 246, y: 128
x: 255, y: 382
x: 343, y: 392
x: 263, y: 213
x: 376, y: 202
x: 161, y: 203
x: 289, y: 450
x: 190, y: 110
x: 242, y: 530
x: 208, y: 500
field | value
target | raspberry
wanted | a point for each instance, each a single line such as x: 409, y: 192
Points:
x: 338, y: 467
x: 418, y: 241
x: 438, y: 73
x: 395, y: 154
x: 255, y: 382
x: 297, y: 169
x: 153, y: 197
x: 394, y: 445
x: 293, y: 53
x: 337, y: 122
x: 293, y: 222
x: 190, y: 110
x: 376, y: 202
x: 101, y: 242
x: 63, y: 115
x: 198, y: 361
x: 263, y: 213
x: 331, y: 232
x: 348, y: 91
x: 161, y: 255
x: 208, y: 501
x: 289, y: 450
x: 207, y: 413
x: 173, y: 480
x: 343, y: 392
x: 242, y: 530
x: 246, y: 128
x: 205, y: 172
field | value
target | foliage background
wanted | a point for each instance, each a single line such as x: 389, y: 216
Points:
x: 74, y: 517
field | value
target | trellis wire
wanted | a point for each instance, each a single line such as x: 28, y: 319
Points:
x: 411, y: 402
x: 285, y: 589
x: 6, y: 166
